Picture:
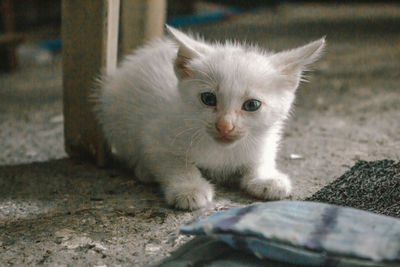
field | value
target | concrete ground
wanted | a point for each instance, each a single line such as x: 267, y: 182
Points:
x: 58, y: 211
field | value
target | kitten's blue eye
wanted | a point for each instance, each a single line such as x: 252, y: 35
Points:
x: 209, y: 99
x: 251, y: 105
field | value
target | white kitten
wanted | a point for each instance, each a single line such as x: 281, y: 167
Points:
x: 179, y: 105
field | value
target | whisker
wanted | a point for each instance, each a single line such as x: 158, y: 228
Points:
x: 190, y: 145
x: 252, y: 142
x: 180, y: 133
x: 208, y: 76
x: 200, y: 120
x: 205, y: 82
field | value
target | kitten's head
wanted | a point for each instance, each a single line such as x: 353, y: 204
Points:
x: 236, y: 91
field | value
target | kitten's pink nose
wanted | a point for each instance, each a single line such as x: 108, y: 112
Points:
x: 224, y: 129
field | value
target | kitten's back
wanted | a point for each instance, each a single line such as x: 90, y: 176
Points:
x: 141, y: 89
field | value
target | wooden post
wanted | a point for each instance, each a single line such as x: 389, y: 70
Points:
x: 90, y: 41
x: 141, y: 20
x: 9, y: 40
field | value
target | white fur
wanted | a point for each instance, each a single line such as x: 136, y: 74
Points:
x: 151, y: 113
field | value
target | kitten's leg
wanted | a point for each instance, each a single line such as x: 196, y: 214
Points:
x: 263, y: 180
x: 266, y: 183
x: 182, y: 184
x: 188, y: 190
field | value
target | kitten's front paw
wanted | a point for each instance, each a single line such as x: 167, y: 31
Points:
x: 189, y: 195
x: 274, y: 188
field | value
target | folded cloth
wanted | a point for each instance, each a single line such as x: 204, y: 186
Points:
x: 306, y: 233
x: 206, y: 251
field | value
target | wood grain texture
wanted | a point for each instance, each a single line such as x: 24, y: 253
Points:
x: 89, y: 36
x: 140, y: 21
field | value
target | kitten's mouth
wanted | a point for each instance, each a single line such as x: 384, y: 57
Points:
x: 226, y: 139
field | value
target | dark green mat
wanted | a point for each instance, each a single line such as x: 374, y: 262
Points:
x: 372, y: 186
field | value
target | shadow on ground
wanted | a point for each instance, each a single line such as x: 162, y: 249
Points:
x: 72, y: 211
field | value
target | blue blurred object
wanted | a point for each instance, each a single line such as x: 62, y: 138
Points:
x: 51, y: 45
x: 203, y: 18
x: 306, y: 233
x: 56, y: 44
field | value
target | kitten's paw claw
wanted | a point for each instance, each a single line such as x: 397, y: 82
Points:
x: 189, y: 196
x: 275, y: 188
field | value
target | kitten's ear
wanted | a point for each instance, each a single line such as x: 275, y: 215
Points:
x: 189, y: 49
x: 293, y: 62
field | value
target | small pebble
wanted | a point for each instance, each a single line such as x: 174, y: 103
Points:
x: 296, y: 156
